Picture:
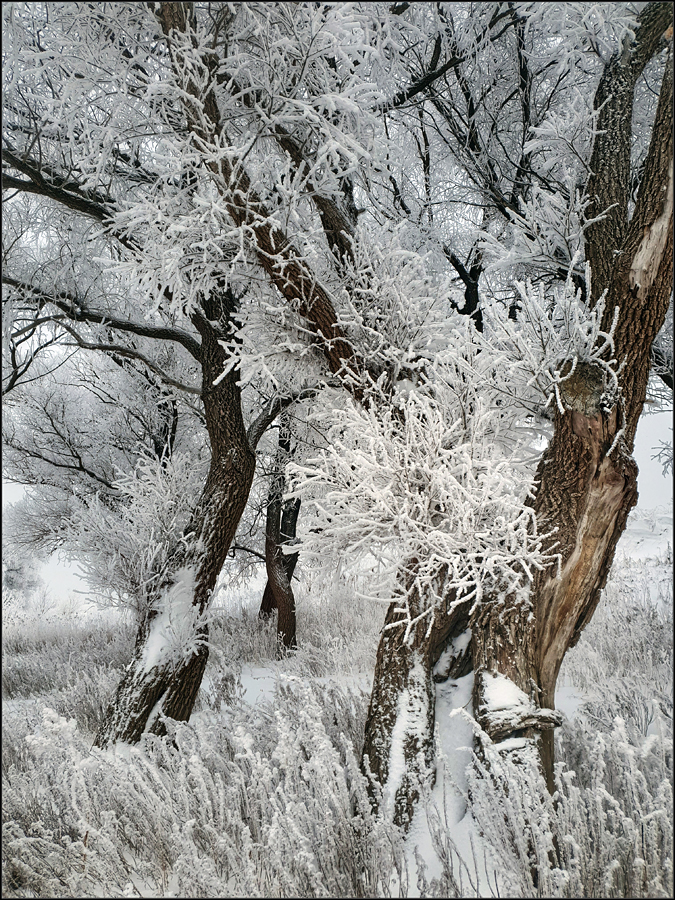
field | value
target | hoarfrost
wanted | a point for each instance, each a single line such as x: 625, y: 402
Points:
x: 172, y: 633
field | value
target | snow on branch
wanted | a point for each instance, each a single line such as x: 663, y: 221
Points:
x: 553, y: 336
x: 421, y: 481
x: 125, y: 552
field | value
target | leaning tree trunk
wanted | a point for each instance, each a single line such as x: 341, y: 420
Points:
x: 290, y: 511
x: 158, y: 682
x: 588, y: 478
x: 586, y: 493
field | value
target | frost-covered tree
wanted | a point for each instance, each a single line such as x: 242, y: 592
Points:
x: 66, y: 277
x: 562, y: 159
x: 84, y: 432
x: 286, y: 192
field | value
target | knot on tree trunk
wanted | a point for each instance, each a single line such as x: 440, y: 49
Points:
x: 585, y: 389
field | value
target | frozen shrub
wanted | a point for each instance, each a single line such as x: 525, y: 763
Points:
x: 266, y: 801
x: 623, y: 662
x: 608, y: 834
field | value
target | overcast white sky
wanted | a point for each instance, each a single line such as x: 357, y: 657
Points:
x: 654, y: 488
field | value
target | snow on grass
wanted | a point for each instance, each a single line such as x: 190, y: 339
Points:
x: 441, y: 825
x: 258, y: 683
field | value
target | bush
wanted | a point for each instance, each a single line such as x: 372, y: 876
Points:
x: 606, y: 834
x: 267, y: 802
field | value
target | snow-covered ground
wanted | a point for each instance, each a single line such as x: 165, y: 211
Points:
x: 643, y: 564
x: 644, y: 559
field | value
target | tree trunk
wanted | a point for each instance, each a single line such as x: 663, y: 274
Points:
x: 163, y: 681
x: 280, y: 528
x: 587, y: 476
x: 289, y: 523
x: 399, y: 734
x: 400, y: 725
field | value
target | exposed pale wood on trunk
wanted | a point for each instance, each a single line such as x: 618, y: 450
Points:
x: 608, y: 184
x: 585, y: 490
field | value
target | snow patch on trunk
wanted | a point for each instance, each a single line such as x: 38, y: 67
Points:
x: 155, y: 712
x: 173, y: 631
x: 445, y: 812
x: 411, y: 722
x: 501, y: 694
x: 505, y: 705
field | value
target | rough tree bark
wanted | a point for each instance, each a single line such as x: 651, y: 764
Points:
x: 287, y: 529
x: 401, y: 712
x: 587, y: 477
x: 594, y: 505
x: 171, y: 687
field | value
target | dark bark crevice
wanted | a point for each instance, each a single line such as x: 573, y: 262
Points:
x: 280, y: 529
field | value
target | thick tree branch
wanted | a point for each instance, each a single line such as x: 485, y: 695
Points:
x: 72, y: 308
x: 279, y: 259
x: 641, y: 281
x: 337, y: 227
x: 608, y: 186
